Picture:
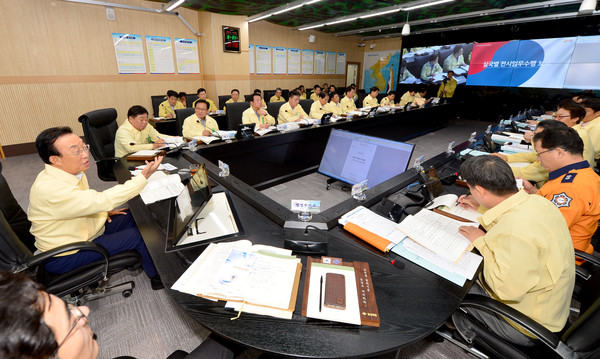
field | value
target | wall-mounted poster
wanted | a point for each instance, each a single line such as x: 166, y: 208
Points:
x: 263, y: 59
x: 251, y: 58
x: 330, y: 63
x: 294, y: 61
x: 341, y: 63
x: 130, y: 53
x: 319, y: 62
x: 186, y: 51
x: 279, y: 60
x: 307, y: 62
x: 160, y: 55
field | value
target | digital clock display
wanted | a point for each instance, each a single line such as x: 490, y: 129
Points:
x: 231, y: 39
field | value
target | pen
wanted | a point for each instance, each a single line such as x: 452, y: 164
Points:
x: 321, y: 294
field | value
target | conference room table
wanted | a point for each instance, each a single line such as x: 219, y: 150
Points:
x: 412, y: 301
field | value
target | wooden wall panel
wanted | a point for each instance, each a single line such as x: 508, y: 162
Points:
x: 62, y: 63
x: 384, y: 44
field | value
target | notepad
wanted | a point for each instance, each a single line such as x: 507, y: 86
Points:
x: 448, y: 203
x: 161, y: 186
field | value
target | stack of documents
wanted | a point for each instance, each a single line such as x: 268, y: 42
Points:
x: 161, y: 186
x: 206, y: 139
x: 263, y: 131
x: 256, y: 279
x: 372, y: 228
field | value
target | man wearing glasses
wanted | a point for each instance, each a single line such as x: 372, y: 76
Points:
x: 38, y: 325
x: 63, y: 209
x: 574, y: 187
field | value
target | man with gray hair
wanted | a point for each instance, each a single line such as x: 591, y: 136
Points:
x: 528, y: 257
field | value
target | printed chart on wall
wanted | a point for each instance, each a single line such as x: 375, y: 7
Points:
x: 294, y: 61
x: 251, y: 58
x: 307, y: 62
x: 263, y: 59
x: 186, y: 51
x: 130, y: 53
x: 381, y: 69
x: 330, y: 63
x: 279, y: 60
x: 160, y: 55
x: 319, y: 62
x: 341, y: 63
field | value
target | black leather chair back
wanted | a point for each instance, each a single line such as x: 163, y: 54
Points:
x: 14, y: 214
x: 361, y: 97
x: 13, y: 253
x: 247, y: 98
x: 222, y: 100
x: 267, y: 94
x: 234, y: 113
x: 584, y: 335
x: 306, y: 104
x: 180, y: 116
x: 190, y: 100
x: 285, y: 94
x: 381, y: 95
x: 156, y: 101
x: 99, y: 129
x: 273, y: 108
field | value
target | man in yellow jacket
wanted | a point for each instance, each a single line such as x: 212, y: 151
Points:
x: 167, y: 108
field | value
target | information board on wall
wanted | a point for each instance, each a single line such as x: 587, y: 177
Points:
x: 279, y: 60
x: 263, y: 59
x: 330, y: 63
x: 307, y: 62
x: 294, y: 61
x: 319, y: 62
x: 341, y: 63
x: 130, y: 53
x: 186, y: 51
x: 160, y: 55
x: 251, y: 58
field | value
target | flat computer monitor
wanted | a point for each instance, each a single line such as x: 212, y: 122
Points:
x: 184, y: 209
x: 352, y: 158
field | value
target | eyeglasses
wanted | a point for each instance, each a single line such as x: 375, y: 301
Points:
x: 80, y: 151
x: 78, y: 315
x: 540, y: 153
x: 562, y: 116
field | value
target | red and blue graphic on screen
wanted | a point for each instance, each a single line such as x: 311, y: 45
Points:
x: 507, y: 63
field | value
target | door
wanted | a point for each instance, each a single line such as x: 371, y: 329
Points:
x: 352, y: 71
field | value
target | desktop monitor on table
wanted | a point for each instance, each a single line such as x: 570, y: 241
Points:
x: 351, y: 157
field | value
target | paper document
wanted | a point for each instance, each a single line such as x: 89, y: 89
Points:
x: 206, y: 139
x: 238, y: 271
x: 145, y: 153
x: 374, y: 223
x: 161, y: 186
x: 473, y: 152
x: 263, y: 131
x: 519, y: 164
x: 449, y: 203
x: 437, y: 233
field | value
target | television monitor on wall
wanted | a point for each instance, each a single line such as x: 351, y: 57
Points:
x: 584, y: 69
x: 455, y: 57
x: 351, y: 157
x: 540, y: 63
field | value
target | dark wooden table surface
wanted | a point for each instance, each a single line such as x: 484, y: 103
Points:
x: 412, y: 302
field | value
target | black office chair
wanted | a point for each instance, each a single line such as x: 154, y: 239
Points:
x: 361, y: 97
x: 306, y: 104
x: 222, y: 100
x: 99, y: 129
x: 189, y: 99
x: 156, y: 101
x: 285, y: 94
x: 267, y: 94
x: 247, y: 98
x: 273, y: 108
x: 82, y: 284
x: 234, y: 113
x: 380, y: 96
x: 580, y: 339
x: 180, y: 116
